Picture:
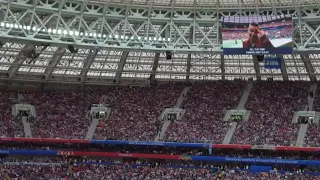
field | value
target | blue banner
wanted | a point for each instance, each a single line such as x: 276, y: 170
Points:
x: 30, y: 152
x: 255, y: 160
x: 272, y: 63
x: 142, y: 143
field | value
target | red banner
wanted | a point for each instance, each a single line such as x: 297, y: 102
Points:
x: 232, y: 146
x: 48, y: 140
x: 122, y: 155
x: 292, y: 148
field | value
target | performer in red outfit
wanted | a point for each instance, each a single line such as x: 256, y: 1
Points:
x: 257, y: 38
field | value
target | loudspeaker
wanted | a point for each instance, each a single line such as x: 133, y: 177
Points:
x: 260, y: 58
x: 169, y: 55
x: 71, y: 48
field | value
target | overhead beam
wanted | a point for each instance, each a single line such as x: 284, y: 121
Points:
x: 307, y: 63
x: 87, y: 64
x: 121, y: 64
x: 283, y: 69
x: 256, y: 67
x: 22, y: 56
x: 53, y: 63
x: 223, y: 70
x: 188, y: 67
x: 154, y: 67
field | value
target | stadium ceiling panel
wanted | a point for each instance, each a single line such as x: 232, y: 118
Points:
x: 143, y: 28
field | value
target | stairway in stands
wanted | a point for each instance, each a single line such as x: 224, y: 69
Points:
x: 95, y: 122
x: 178, y: 104
x: 241, y: 106
x: 304, y: 127
x: 24, y: 119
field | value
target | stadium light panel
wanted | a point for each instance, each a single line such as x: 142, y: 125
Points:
x: 2, y: 24
x: 59, y: 31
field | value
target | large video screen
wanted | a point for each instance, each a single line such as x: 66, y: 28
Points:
x: 257, y: 35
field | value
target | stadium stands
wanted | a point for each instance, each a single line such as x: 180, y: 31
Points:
x: 272, y: 105
x: 206, y: 104
x: 10, y: 126
x: 36, y: 169
x: 36, y: 172
x: 61, y: 114
x: 135, y: 112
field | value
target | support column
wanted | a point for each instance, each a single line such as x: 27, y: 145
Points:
x: 22, y: 56
x: 283, y: 68
x: 54, y: 61
x: 154, y: 68
x: 256, y: 67
x: 121, y: 64
x: 87, y: 64
x: 307, y: 63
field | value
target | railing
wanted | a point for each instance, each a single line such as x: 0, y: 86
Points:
x: 167, y: 144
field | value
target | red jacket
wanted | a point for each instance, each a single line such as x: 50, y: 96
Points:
x: 265, y: 44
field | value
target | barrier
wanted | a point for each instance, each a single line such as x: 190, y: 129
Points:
x: 160, y: 156
x: 167, y: 144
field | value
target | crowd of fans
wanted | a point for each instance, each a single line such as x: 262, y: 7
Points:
x: 206, y: 104
x: 61, y: 114
x: 312, y: 138
x: 36, y: 169
x: 272, y: 107
x: 36, y: 172
x: 10, y: 126
x: 135, y: 112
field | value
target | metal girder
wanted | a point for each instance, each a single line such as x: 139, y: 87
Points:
x: 191, y: 39
x: 256, y: 67
x: 307, y: 63
x: 154, y: 67
x: 22, y: 56
x: 188, y: 67
x: 222, y: 68
x: 121, y: 64
x: 87, y: 64
x: 53, y: 63
x: 283, y: 69
x: 88, y: 25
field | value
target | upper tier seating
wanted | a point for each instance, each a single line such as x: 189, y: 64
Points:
x: 10, y: 126
x: 206, y: 104
x: 135, y: 112
x: 273, y: 105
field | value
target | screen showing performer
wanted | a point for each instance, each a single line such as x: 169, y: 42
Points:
x: 257, y: 35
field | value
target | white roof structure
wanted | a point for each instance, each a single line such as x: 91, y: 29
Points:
x: 118, y: 40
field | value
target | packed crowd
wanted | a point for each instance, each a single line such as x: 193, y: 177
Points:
x: 272, y: 107
x: 206, y: 104
x: 135, y: 112
x: 10, y: 126
x: 312, y: 138
x: 61, y: 114
x: 36, y: 172
x: 146, y: 171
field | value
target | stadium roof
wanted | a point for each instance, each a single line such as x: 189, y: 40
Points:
x: 212, y: 3
x: 29, y: 24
